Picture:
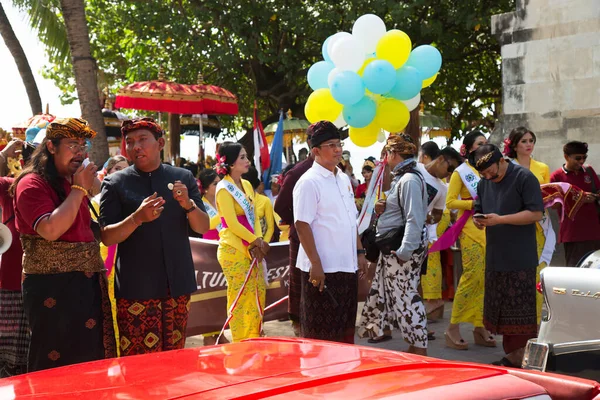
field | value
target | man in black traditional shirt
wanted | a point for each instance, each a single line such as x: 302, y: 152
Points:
x: 509, y: 203
x: 147, y: 209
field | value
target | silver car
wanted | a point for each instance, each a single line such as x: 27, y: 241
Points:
x: 569, y: 338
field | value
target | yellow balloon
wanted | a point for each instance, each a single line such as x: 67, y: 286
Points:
x: 364, y: 137
x: 367, y: 62
x: 427, y: 82
x: 392, y: 115
x: 321, y: 106
x: 394, y: 47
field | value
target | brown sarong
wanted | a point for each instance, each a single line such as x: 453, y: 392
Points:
x: 331, y: 314
x: 509, y: 302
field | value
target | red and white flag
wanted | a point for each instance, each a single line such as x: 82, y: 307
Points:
x: 261, y: 149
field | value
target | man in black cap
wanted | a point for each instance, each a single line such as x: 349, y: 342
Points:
x: 509, y: 203
x: 330, y: 248
x: 582, y: 234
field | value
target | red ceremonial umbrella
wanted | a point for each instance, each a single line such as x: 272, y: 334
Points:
x: 176, y: 98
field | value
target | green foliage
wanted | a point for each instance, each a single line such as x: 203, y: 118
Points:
x: 262, y: 49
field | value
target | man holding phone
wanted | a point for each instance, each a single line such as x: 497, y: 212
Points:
x: 509, y: 203
x: 581, y: 235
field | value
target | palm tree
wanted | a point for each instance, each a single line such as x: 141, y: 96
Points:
x: 86, y: 74
x: 69, y: 36
x: 15, y: 48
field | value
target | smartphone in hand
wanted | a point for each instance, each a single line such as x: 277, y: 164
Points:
x: 480, y: 216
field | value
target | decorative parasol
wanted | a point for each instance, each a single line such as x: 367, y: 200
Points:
x: 293, y: 128
x: 210, y: 124
x: 433, y: 125
x: 176, y: 98
x: 19, y: 129
x: 112, y: 122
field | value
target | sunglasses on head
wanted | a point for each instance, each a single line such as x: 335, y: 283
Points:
x: 579, y: 158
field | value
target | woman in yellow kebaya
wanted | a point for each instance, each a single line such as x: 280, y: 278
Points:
x: 468, y: 300
x: 240, y: 242
x: 518, y: 147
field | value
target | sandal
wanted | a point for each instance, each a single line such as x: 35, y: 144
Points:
x: 505, y: 362
x: 481, y: 340
x: 459, y: 345
x: 430, y: 335
x: 379, y: 339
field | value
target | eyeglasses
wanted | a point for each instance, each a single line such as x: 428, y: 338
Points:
x: 76, y: 148
x: 451, y: 167
x: 333, y: 146
x: 580, y: 158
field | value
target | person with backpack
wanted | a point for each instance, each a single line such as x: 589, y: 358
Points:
x: 394, y: 301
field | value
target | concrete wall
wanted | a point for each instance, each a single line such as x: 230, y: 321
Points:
x: 551, y: 74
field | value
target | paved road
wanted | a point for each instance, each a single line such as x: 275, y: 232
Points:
x: 436, y: 349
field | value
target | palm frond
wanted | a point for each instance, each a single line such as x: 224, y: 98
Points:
x: 45, y: 17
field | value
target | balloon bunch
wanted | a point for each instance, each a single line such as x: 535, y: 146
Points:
x: 370, y: 79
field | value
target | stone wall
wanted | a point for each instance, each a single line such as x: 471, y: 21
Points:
x: 551, y: 74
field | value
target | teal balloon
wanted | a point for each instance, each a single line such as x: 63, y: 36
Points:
x: 379, y: 76
x: 360, y: 114
x: 408, y: 83
x: 318, y: 73
x: 427, y: 59
x: 347, y: 88
x: 324, y: 50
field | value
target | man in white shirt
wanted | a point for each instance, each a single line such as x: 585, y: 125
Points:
x: 330, y: 248
x: 442, y: 166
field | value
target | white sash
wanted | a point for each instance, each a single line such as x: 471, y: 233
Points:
x: 248, y: 208
x: 371, y: 197
x: 469, y: 178
x: 549, y: 234
x: 240, y: 198
x: 210, y: 210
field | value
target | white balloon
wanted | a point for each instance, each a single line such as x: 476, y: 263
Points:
x: 413, y: 103
x: 347, y: 54
x: 369, y: 29
x: 340, y: 122
x: 333, y: 40
x: 332, y: 75
x: 381, y: 136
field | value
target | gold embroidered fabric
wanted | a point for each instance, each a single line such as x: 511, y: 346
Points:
x: 41, y: 256
x: 72, y: 128
x: 484, y: 159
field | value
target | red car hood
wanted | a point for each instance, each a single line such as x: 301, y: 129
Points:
x: 259, y: 368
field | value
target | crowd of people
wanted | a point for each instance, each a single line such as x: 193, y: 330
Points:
x: 482, y: 200
x: 100, y: 263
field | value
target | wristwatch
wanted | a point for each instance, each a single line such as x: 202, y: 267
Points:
x: 192, y: 208
x: 361, y: 251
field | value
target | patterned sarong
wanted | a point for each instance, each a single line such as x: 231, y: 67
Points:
x: 509, y: 302
x: 14, y: 334
x: 331, y: 314
x: 151, y: 326
x: 70, y: 319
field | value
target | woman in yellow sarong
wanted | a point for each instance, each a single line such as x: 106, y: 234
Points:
x: 518, y: 147
x: 431, y: 282
x: 114, y: 164
x: 468, y: 300
x: 240, y: 242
